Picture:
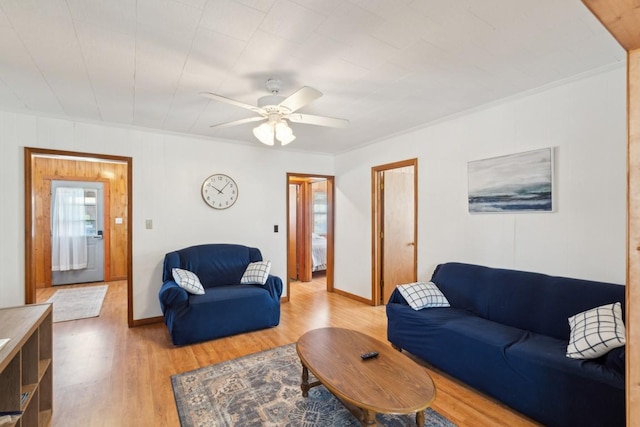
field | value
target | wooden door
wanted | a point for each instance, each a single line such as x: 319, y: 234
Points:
x: 298, y: 226
x: 394, y: 189
x: 292, y: 259
x: 398, y: 239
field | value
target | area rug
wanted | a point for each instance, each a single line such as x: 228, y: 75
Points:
x: 263, y: 389
x: 77, y: 303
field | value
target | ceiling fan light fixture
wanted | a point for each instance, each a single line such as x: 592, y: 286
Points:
x: 284, y: 134
x: 264, y: 133
x: 275, y: 108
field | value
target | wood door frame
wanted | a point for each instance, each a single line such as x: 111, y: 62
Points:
x: 622, y: 19
x: 377, y: 220
x: 291, y: 179
x: 29, y: 218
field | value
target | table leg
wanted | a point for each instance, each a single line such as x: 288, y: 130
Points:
x: 305, y: 382
x: 369, y: 417
x: 420, y: 418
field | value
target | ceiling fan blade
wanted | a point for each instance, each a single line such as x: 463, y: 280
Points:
x: 239, y: 122
x: 300, y: 98
x: 231, y: 101
x: 318, y: 120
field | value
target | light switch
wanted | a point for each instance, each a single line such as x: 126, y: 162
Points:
x: 118, y: 220
x: 149, y: 224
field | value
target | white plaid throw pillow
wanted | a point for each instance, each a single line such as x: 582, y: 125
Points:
x: 256, y: 273
x: 423, y: 295
x: 188, y: 281
x: 594, y: 332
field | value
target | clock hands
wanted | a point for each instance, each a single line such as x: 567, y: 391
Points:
x: 219, y: 190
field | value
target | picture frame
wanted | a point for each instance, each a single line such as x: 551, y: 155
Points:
x: 514, y: 183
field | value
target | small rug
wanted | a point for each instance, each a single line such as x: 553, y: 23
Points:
x: 77, y: 303
x: 263, y: 389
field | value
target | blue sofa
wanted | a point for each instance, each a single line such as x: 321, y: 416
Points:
x: 506, y: 334
x: 227, y: 307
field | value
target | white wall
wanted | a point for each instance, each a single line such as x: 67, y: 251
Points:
x: 168, y: 171
x: 585, y: 122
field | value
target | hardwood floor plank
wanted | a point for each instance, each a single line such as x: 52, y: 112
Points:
x: 106, y: 374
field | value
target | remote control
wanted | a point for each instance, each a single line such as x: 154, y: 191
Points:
x: 369, y: 355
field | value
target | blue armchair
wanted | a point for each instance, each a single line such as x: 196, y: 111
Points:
x: 227, y: 307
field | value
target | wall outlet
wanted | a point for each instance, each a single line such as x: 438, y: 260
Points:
x: 149, y: 224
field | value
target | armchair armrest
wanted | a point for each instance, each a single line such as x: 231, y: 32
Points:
x: 397, y: 298
x: 274, y: 286
x: 172, y: 295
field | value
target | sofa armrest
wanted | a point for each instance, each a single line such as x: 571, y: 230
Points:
x: 274, y: 286
x: 397, y: 298
x: 615, y: 360
x: 172, y: 295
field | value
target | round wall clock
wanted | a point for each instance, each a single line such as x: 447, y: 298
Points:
x: 220, y: 191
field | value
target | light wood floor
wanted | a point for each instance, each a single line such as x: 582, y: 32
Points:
x: 106, y: 374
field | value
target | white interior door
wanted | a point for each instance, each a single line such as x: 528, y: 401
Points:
x: 93, y: 201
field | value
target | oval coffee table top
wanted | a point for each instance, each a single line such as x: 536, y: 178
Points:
x: 390, y: 383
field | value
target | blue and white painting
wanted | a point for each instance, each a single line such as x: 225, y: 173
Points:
x: 521, y: 182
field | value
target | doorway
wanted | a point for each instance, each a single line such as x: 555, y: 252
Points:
x: 42, y: 168
x: 395, y: 230
x: 77, y: 232
x: 309, y: 229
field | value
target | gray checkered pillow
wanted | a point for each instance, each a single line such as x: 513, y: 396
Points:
x: 256, y: 273
x: 423, y: 295
x: 594, y: 332
x: 188, y: 281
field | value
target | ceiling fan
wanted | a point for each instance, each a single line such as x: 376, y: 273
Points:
x: 277, y: 110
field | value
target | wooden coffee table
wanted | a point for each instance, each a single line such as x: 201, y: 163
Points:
x: 390, y: 383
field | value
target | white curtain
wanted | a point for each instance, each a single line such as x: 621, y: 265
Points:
x: 68, y: 240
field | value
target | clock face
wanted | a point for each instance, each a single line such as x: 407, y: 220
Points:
x: 219, y: 191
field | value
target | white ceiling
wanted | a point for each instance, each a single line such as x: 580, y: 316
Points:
x: 385, y: 65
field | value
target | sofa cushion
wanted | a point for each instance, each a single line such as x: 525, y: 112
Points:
x: 421, y: 295
x: 188, y: 281
x: 223, y: 311
x: 558, y: 391
x: 256, y: 273
x: 595, y: 332
x: 537, y: 353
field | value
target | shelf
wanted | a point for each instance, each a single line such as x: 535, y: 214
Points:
x: 42, y: 368
x: 26, y: 378
x: 30, y: 389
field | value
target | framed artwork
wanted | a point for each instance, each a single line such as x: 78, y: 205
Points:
x: 521, y: 182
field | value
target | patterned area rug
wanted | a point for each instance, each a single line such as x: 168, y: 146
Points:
x: 263, y: 389
x: 77, y: 303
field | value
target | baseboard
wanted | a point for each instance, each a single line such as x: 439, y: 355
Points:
x: 147, y: 321
x: 352, y: 296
